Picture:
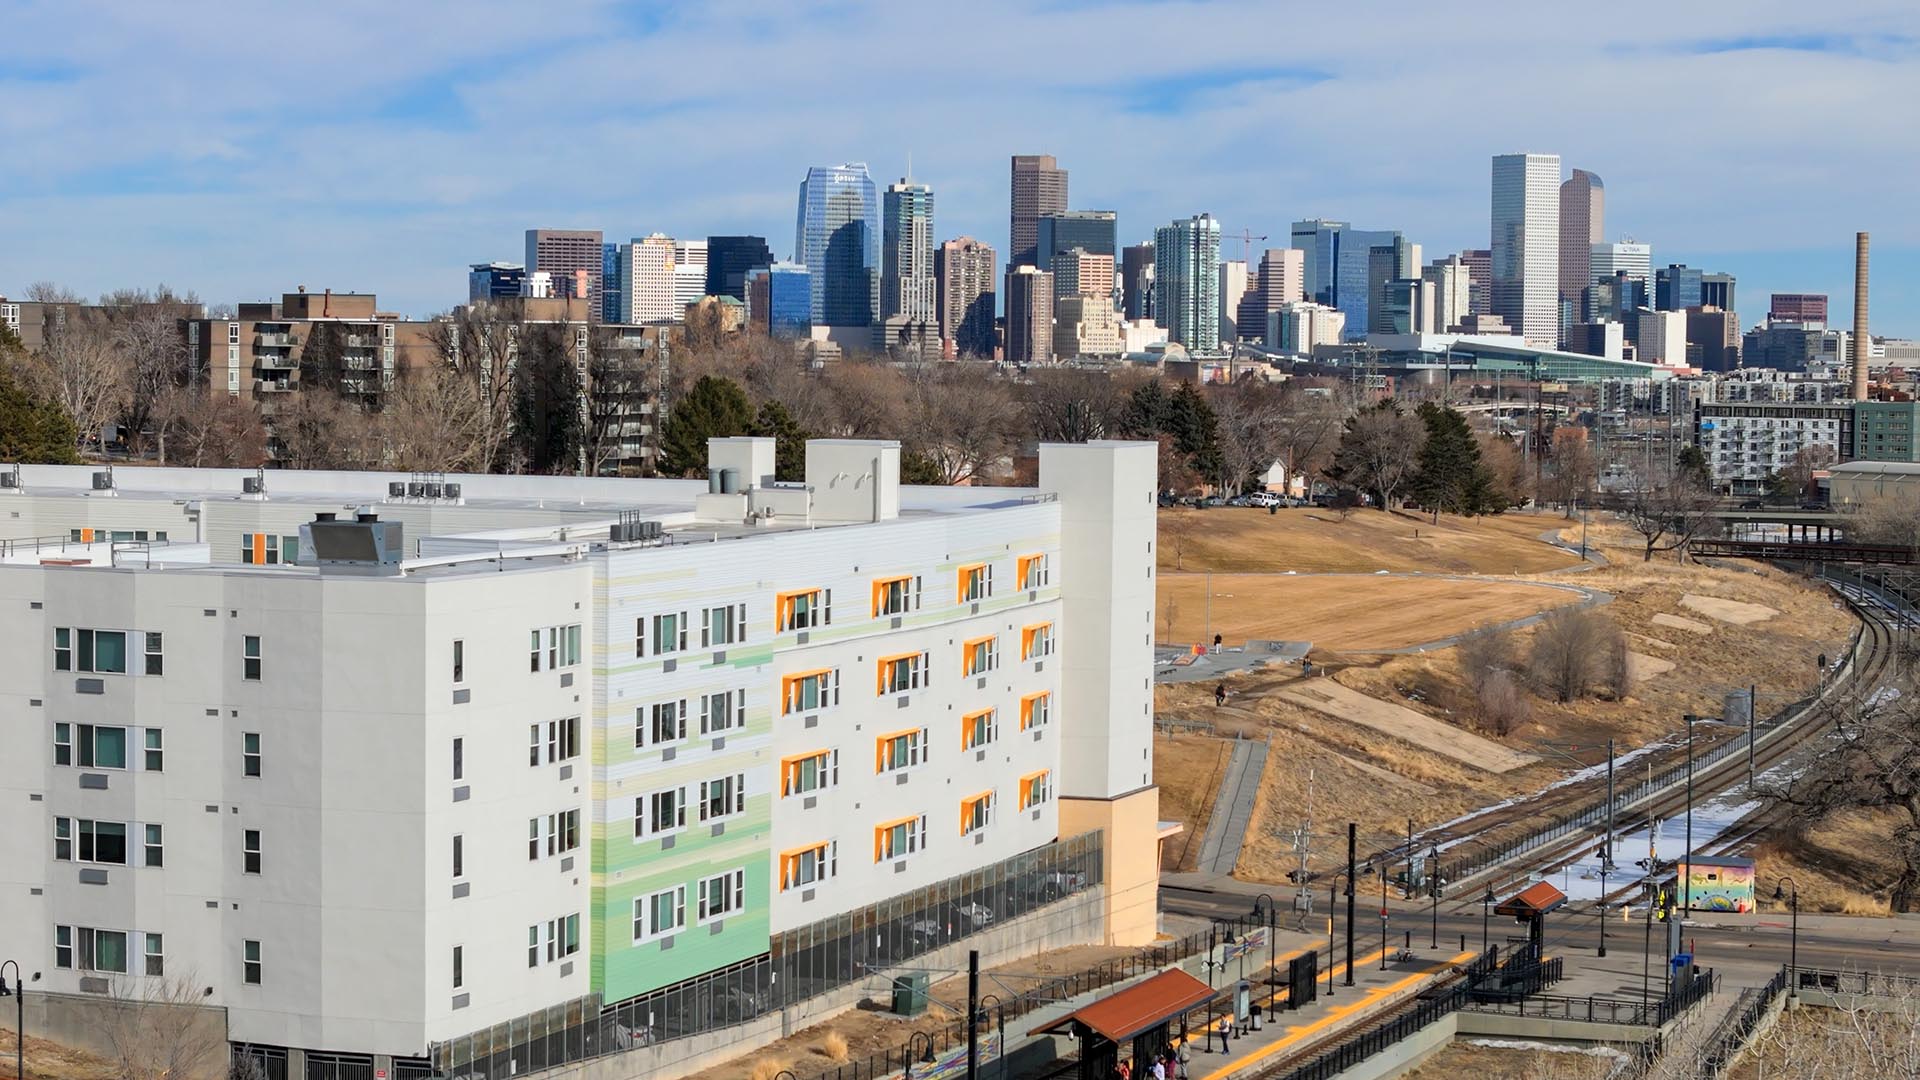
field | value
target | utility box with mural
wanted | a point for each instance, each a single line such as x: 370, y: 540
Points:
x: 1715, y: 883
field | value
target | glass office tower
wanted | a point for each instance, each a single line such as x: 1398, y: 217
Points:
x: 1090, y: 230
x: 780, y: 300
x: 837, y: 238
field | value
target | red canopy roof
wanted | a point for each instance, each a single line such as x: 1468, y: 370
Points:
x: 1536, y: 899
x: 1138, y: 1008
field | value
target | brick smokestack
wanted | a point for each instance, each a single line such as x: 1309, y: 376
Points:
x: 1862, y: 344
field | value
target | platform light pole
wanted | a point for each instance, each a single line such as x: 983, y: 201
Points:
x: 1686, y: 904
x: 1433, y: 890
x: 19, y: 993
x: 1273, y: 973
x: 1606, y: 853
x: 1793, y: 948
x: 1353, y: 843
x: 1486, y: 919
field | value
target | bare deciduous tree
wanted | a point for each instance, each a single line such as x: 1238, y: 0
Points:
x: 145, y: 329
x: 1571, y: 469
x: 1249, y: 418
x: 963, y: 420
x: 1576, y: 652
x: 160, y: 1029
x: 79, y: 367
x: 479, y: 344
x: 1379, y: 451
x: 1070, y: 405
x: 1677, y: 510
x: 434, y: 421
x: 1872, y: 762
x: 1893, y: 520
x: 621, y: 379
x: 320, y: 430
x: 214, y: 431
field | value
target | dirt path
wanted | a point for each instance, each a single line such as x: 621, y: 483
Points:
x: 1342, y: 703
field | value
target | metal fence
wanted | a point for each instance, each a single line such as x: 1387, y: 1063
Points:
x: 1424, y: 1011
x: 1733, y: 1031
x: 1459, y: 867
x: 799, y: 965
x: 1843, y: 981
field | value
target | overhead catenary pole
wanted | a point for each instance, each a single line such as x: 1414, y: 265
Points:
x: 1606, y: 852
x: 1686, y: 886
x: 1753, y: 710
x: 1353, y: 843
x: 973, y: 1015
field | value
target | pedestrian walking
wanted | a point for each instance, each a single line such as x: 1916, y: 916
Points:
x: 1159, y: 1068
x: 1220, y: 695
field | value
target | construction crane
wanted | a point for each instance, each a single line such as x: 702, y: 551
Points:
x: 1246, y: 239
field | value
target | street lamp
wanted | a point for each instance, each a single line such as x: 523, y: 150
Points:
x: 999, y: 1027
x: 1793, y: 947
x: 1433, y: 890
x: 1383, y: 917
x: 19, y: 993
x: 1486, y: 918
x: 1273, y: 972
x: 913, y: 1041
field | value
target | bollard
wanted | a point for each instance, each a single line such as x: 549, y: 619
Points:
x: 1408, y: 944
x: 1463, y: 943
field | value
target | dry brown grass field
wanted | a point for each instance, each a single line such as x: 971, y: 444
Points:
x: 1310, y: 540
x: 1339, y: 611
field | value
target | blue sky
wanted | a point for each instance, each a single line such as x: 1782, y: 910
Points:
x: 242, y: 149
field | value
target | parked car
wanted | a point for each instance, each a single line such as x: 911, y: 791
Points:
x: 1752, y: 504
x: 1264, y: 499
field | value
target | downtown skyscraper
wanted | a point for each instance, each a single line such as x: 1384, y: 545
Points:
x: 964, y: 285
x: 837, y: 238
x: 1583, y: 216
x: 1039, y: 188
x: 906, y: 253
x: 1526, y: 245
x: 570, y: 258
x: 1186, y: 260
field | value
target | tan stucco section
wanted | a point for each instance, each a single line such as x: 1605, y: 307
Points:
x: 1132, y: 859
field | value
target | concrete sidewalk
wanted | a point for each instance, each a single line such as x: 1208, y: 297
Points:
x: 1227, y: 825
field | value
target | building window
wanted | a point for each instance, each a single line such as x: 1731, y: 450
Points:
x: 251, y: 962
x: 459, y: 856
x: 100, y: 841
x: 723, y: 798
x: 723, y: 894
x: 980, y: 655
x: 723, y: 711
x: 153, y: 757
x: 156, y: 957
x: 103, y: 950
x: 563, y: 937
x: 899, y: 839
x: 806, y: 609
x: 63, y: 744
x: 102, y: 652
x: 250, y: 754
x: 723, y: 625
x: 533, y: 945
x: 156, y: 662
x: 809, y: 865
x: 250, y: 850
x: 660, y: 813
x: 899, y: 750
x: 260, y: 549
x: 1036, y: 788
x: 533, y: 745
x: 899, y: 674
x: 563, y: 832
x: 154, y: 851
x: 459, y: 966
x: 562, y: 647
x: 563, y: 739
x: 1034, y: 571
x: 63, y: 946
x: 669, y: 634
x: 809, y: 691
x: 533, y: 838
x: 814, y: 771
x: 1036, y: 641
x: 459, y: 660
x: 102, y: 747
x: 975, y: 582
x: 979, y: 728
x: 660, y: 724
x: 1036, y: 710
x: 660, y: 914
x: 250, y: 657
x: 459, y: 758
x: 63, y: 839
x: 896, y: 595
x: 976, y: 813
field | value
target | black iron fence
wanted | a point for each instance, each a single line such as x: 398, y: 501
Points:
x: 1844, y: 981
x: 1733, y: 1031
x: 800, y: 964
x: 1425, y: 1010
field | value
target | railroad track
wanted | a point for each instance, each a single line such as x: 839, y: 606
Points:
x: 1493, y: 844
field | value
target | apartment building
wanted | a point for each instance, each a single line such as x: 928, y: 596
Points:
x: 1746, y: 444
x: 392, y: 764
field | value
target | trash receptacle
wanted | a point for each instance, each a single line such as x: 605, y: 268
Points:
x: 1253, y: 1014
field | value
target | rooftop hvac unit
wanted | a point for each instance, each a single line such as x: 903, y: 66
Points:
x: 103, y: 481
x: 452, y: 490
x: 654, y: 530
x: 251, y: 485
x: 416, y: 489
x: 433, y: 491
x: 396, y: 489
x: 9, y: 479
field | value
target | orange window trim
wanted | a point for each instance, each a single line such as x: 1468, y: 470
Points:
x: 880, y: 589
x: 783, y: 605
x: 966, y: 727
x: 1026, y: 707
x: 966, y: 808
x: 960, y: 576
x: 1023, y: 564
x: 790, y: 769
x: 880, y: 746
x: 1027, y: 634
x: 1026, y: 786
x: 789, y: 682
x: 880, y: 675
x: 790, y: 862
x: 966, y: 654
x: 881, y: 830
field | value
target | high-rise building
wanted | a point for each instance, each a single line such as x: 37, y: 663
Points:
x: 1337, y: 266
x: 1232, y: 290
x: 1716, y: 290
x: 1029, y: 316
x: 1039, y: 188
x: 1396, y: 260
x: 1083, y: 273
x: 1136, y: 281
x: 1713, y: 338
x: 495, y: 280
x: 613, y: 303
x: 1526, y: 245
x: 1479, y: 263
x: 412, y: 721
x: 1452, y: 292
x: 780, y: 300
x: 1676, y: 287
x: 1299, y: 326
x: 728, y: 260
x: 1662, y: 338
x: 565, y: 254
x: 1797, y: 308
x: 645, y: 272
x: 1089, y: 230
x: 1406, y: 306
x: 1085, y: 326
x: 1280, y: 279
x: 1583, y: 211
x: 837, y: 237
x: 1633, y: 260
x: 906, y: 253
x: 1186, y: 260
x: 964, y: 287
x: 689, y: 275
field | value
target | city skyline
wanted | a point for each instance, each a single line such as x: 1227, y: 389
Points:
x: 412, y: 172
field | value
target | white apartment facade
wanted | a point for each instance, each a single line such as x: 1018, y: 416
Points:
x: 536, y: 758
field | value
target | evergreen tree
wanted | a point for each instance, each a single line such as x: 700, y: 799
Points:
x: 1450, y: 475
x: 1691, y: 466
x: 549, y: 425
x: 790, y: 440
x: 918, y: 468
x: 32, y: 430
x: 1183, y: 416
x: 715, y: 407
